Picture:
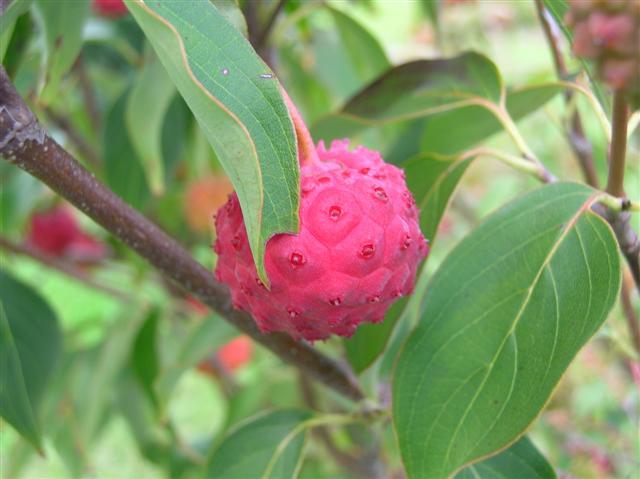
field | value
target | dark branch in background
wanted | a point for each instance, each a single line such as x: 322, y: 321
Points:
x: 618, y: 152
x: 630, y: 313
x: 261, y: 38
x: 88, y: 94
x: 24, y: 143
x: 83, y: 147
x: 626, y: 236
x: 577, y: 139
x: 63, y: 267
x: 367, y: 466
x: 3, y: 5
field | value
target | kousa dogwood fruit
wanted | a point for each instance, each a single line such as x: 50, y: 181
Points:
x: 110, y: 8
x: 357, y: 250
x: 230, y: 357
x: 203, y: 198
x: 56, y: 232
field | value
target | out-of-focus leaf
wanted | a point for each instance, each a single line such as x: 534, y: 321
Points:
x: 369, y: 340
x: 307, y: 92
x: 521, y: 460
x: 174, y: 133
x: 107, y: 363
x: 62, y: 22
x: 367, y: 56
x: 144, y: 356
x: 238, y: 103
x: 503, y: 317
x: 432, y: 180
x: 432, y: 9
x: 8, y: 22
x: 124, y: 173
x: 147, y: 106
x: 182, y: 353
x: 268, y: 446
x: 31, y: 344
x: 454, y: 131
x: 415, y: 90
x: 18, y: 193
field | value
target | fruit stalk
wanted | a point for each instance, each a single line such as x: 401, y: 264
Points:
x: 24, y: 143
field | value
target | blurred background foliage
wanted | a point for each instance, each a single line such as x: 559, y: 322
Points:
x: 143, y: 388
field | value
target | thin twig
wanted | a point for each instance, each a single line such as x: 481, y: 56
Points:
x: 368, y: 467
x: 630, y: 313
x: 262, y: 37
x: 83, y: 147
x: 24, y: 143
x: 620, y: 115
x: 88, y: 94
x: 580, y: 145
x: 63, y: 267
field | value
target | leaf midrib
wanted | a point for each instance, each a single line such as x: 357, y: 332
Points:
x: 570, y: 225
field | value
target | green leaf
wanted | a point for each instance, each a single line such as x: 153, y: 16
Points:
x: 30, y: 347
x: 415, y: 90
x: 454, y: 131
x: 124, y: 173
x: 233, y: 14
x: 183, y: 352
x: 8, y: 22
x: 367, y: 56
x: 501, y: 320
x: 239, y: 106
x: 144, y: 356
x: 521, y: 460
x: 370, y: 340
x: 432, y: 180
x: 147, y: 107
x: 62, y: 22
x: 268, y: 446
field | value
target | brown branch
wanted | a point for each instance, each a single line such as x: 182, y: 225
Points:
x: 262, y: 37
x: 579, y: 144
x: 620, y: 116
x: 629, y: 312
x: 63, y: 267
x: 83, y: 147
x: 369, y: 466
x: 24, y: 143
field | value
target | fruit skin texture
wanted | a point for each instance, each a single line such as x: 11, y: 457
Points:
x: 56, y: 232
x: 110, y: 8
x: 357, y: 251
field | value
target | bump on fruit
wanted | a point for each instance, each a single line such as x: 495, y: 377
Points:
x: 357, y: 250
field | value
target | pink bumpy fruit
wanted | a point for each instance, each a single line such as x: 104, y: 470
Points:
x: 110, y: 8
x: 357, y: 251
x: 57, y: 233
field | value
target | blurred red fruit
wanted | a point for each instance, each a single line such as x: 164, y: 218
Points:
x: 196, y: 306
x: 110, y: 8
x: 202, y: 200
x: 235, y: 353
x: 56, y: 232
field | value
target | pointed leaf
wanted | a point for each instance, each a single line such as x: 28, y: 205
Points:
x: 366, y: 54
x: 238, y: 104
x: 147, y: 105
x: 268, y: 447
x: 415, y: 90
x: 62, y: 22
x: 502, y: 319
x: 456, y: 130
x: 124, y: 173
x: 521, y: 460
x: 30, y: 347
